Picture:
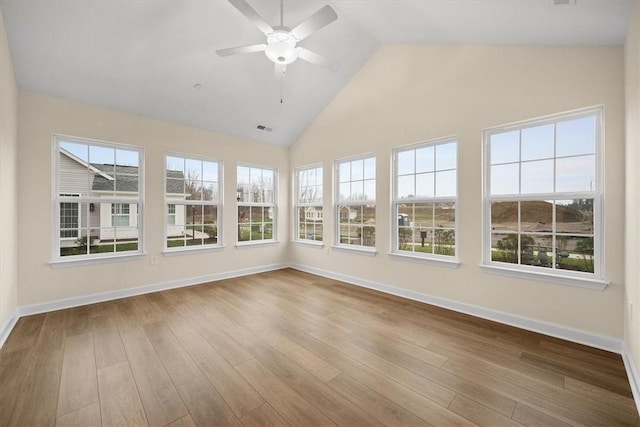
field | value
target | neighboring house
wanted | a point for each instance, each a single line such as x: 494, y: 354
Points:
x: 347, y: 213
x: 312, y: 214
x: 108, y: 221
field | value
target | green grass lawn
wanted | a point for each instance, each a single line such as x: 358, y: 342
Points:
x: 99, y: 249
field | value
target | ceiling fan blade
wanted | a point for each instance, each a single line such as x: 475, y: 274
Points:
x: 314, y: 58
x: 280, y: 71
x: 321, y: 18
x: 244, y: 8
x: 242, y: 49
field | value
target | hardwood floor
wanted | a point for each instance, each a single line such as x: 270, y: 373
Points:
x: 290, y: 348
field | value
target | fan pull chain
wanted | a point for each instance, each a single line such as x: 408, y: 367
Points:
x: 282, y: 13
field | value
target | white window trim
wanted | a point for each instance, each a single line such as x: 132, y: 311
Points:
x: 436, y: 258
x: 297, y: 205
x: 594, y: 280
x: 274, y: 240
x: 56, y: 259
x: 191, y: 249
x: 367, y: 250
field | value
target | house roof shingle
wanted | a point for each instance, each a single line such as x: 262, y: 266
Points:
x: 126, y: 179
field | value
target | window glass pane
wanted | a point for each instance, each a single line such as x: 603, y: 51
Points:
x: 444, y: 242
x: 423, y: 215
x: 576, y: 174
x: 505, y: 147
x: 344, y: 171
x: 446, y: 156
x: 127, y: 183
x: 504, y: 179
x: 175, y: 186
x: 256, y: 214
x: 210, y: 191
x: 504, y: 216
x: 446, y: 184
x: 406, y: 187
x: 80, y: 151
x: 537, y: 250
x: 210, y: 214
x: 127, y: 158
x: 370, y: 189
x: 576, y: 137
x: 368, y: 236
x: 424, y: 185
x: 244, y: 213
x: 369, y: 168
x: 504, y: 248
x: 406, y: 161
x: 537, y: 142
x: 357, y: 190
x: 243, y: 176
x: 102, y: 184
x: 345, y: 191
x: 193, y: 170
x: 445, y: 215
x: 175, y: 164
x: 536, y: 216
x: 244, y: 232
x: 368, y: 215
x: 575, y: 253
x: 357, y: 170
x: 574, y: 216
x: 193, y: 190
x: 102, y: 158
x: 405, y: 214
x: 537, y: 177
x: 425, y: 159
x: 210, y: 171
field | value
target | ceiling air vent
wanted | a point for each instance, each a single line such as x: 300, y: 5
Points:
x: 559, y: 2
x: 264, y: 128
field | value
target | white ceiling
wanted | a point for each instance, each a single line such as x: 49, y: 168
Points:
x: 146, y: 56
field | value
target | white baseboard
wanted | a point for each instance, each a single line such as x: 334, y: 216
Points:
x: 8, y: 327
x: 111, y: 295
x: 570, y: 334
x: 634, y: 378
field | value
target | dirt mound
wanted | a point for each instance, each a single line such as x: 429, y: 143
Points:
x: 538, y: 211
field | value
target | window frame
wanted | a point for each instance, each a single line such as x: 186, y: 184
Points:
x: 337, y: 245
x: 297, y: 205
x: 273, y: 206
x: 175, y: 202
x: 595, y: 280
x: 420, y: 256
x: 69, y: 197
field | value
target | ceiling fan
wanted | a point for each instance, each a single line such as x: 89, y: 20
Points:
x: 281, y: 41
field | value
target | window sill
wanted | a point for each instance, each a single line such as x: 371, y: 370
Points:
x: 450, y: 263
x: 310, y: 243
x: 62, y: 263
x: 579, y: 282
x: 250, y: 244
x: 191, y: 250
x: 360, y: 250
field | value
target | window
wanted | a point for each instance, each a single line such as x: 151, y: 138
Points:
x: 256, y: 195
x: 425, y: 199
x: 120, y: 215
x: 308, y: 206
x: 356, y: 207
x: 171, y: 214
x: 69, y: 219
x: 98, y: 188
x: 192, y: 202
x: 543, y: 195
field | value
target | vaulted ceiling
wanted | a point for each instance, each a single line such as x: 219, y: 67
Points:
x: 156, y: 58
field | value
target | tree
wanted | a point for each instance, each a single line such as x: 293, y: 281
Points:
x: 508, y: 248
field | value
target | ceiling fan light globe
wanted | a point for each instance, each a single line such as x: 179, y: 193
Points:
x: 281, y: 48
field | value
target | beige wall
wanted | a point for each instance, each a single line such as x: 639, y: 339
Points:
x: 8, y: 183
x: 632, y: 231
x: 407, y: 94
x: 41, y: 116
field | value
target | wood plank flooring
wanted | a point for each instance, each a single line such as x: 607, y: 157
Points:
x: 290, y: 348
